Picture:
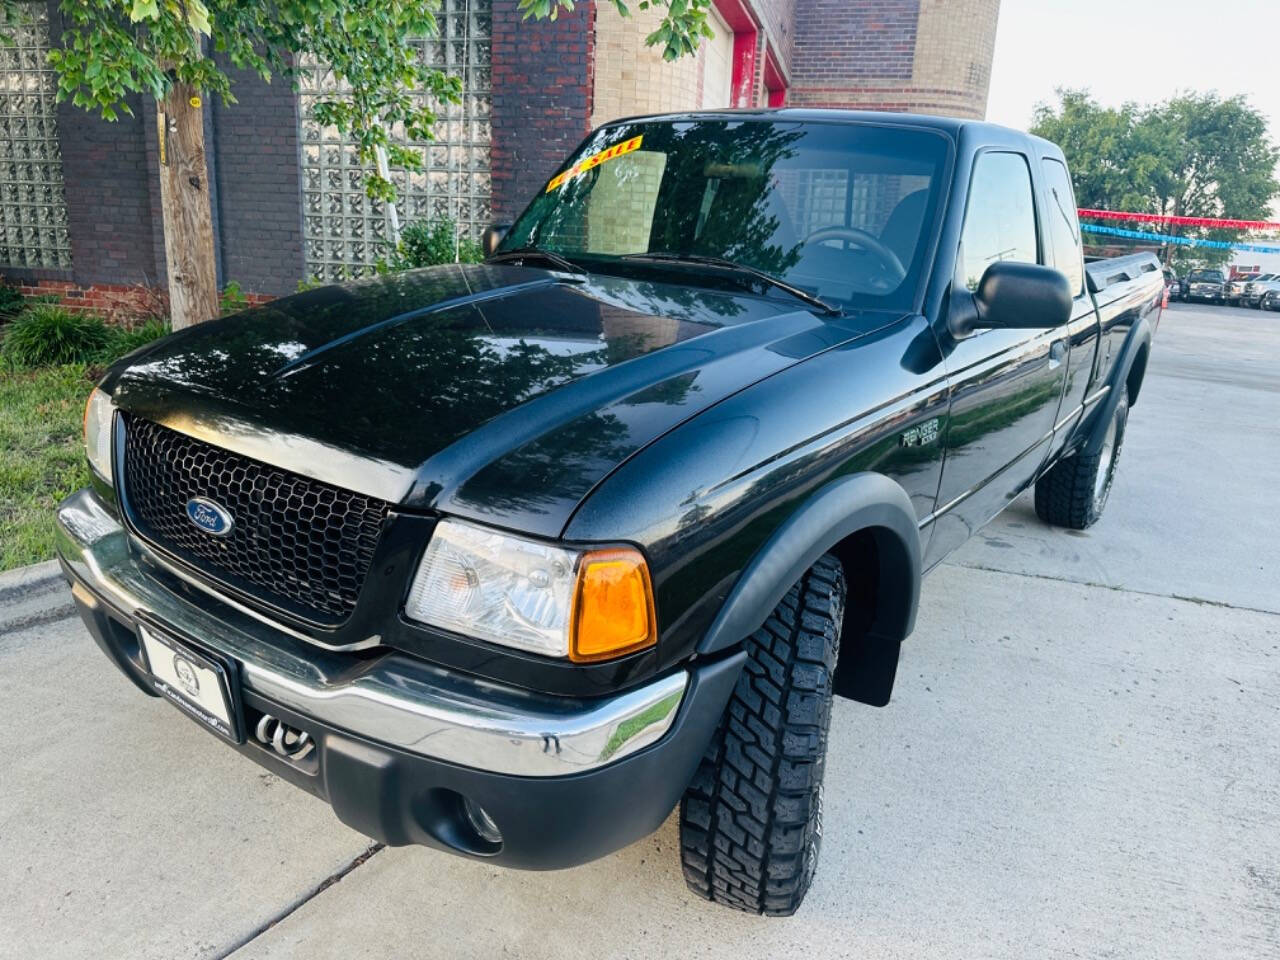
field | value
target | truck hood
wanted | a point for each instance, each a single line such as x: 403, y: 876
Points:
x: 500, y: 393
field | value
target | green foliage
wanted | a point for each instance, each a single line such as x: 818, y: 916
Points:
x: 1196, y: 155
x: 11, y: 301
x: 126, y: 341
x: 425, y: 244
x: 48, y: 335
x: 113, y: 48
x: 679, y: 33
x: 41, y: 456
x: 232, y: 300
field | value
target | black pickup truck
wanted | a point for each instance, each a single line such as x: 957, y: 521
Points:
x: 510, y: 559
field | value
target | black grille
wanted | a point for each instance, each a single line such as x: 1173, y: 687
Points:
x: 296, y: 542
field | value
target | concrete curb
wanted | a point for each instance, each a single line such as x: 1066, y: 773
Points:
x: 30, y: 596
x: 22, y: 579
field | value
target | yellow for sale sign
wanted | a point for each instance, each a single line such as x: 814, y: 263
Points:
x: 587, y: 163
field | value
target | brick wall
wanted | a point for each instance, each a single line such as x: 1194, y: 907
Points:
x: 953, y: 56
x: 110, y: 218
x: 109, y: 206
x: 917, y: 56
x: 119, y: 303
x: 542, y: 92
x: 779, y: 20
x: 839, y: 41
x: 632, y: 78
x: 115, y: 222
x: 257, y: 184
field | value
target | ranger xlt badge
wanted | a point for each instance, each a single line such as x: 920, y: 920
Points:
x: 209, y: 516
x: 920, y: 434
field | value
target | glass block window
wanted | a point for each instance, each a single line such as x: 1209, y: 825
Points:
x: 344, y: 231
x: 33, y: 205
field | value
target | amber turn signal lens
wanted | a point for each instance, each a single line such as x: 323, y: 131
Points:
x: 613, y: 610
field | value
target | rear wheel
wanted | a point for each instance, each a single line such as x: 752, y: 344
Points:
x: 751, y: 819
x: 1075, y: 491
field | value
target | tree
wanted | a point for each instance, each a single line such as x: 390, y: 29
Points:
x: 180, y: 52
x: 1195, y: 155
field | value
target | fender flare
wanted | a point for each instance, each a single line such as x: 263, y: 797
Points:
x: 1139, y: 338
x: 843, y: 507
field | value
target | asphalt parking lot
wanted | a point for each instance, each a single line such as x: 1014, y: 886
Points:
x: 1080, y: 760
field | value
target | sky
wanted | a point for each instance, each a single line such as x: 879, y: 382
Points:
x: 1134, y: 50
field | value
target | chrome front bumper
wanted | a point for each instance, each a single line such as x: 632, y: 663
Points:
x: 394, y: 700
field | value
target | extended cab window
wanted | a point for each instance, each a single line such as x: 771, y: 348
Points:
x: 842, y: 210
x: 1000, y: 219
x: 1064, y: 226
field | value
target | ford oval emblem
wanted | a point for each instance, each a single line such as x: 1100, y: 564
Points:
x: 209, y: 516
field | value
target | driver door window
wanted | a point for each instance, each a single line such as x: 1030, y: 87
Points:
x: 1000, y: 222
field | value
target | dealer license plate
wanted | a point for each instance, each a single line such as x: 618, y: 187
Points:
x: 198, y: 683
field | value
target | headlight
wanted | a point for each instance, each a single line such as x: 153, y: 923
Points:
x: 98, y: 413
x: 560, y: 602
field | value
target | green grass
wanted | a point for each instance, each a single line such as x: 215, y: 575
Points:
x: 41, y: 456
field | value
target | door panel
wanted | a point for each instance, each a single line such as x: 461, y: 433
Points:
x: 1082, y: 332
x: 1005, y: 390
x: 1082, y: 345
x: 1006, y: 385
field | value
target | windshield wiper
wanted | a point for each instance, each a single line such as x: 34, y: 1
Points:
x: 725, y: 264
x: 537, y: 253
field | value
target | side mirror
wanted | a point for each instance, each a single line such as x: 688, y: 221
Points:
x: 1012, y: 296
x: 492, y: 236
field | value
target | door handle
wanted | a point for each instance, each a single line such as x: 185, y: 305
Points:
x: 1057, y: 351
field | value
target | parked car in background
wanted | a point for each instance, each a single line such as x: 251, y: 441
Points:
x: 1255, y: 288
x: 1233, y: 293
x: 1206, y: 286
x: 1271, y: 299
x: 1176, y: 285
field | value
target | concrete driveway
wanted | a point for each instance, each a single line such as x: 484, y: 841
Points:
x: 1082, y: 759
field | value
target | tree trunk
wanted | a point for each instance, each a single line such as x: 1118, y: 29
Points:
x: 184, y: 200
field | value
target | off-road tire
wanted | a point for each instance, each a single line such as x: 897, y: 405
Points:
x: 1074, y: 492
x: 751, y: 819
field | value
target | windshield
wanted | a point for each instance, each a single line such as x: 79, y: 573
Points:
x: 1207, y: 276
x: 842, y: 211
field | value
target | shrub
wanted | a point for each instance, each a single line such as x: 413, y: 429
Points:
x: 232, y: 300
x: 11, y: 301
x: 425, y: 244
x: 311, y: 283
x: 45, y: 334
x: 126, y: 341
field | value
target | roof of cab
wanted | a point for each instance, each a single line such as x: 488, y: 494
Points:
x: 976, y: 131
x: 949, y: 124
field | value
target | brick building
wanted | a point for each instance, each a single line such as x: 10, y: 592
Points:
x: 80, y: 201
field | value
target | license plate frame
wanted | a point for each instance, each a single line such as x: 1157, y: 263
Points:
x: 206, y: 687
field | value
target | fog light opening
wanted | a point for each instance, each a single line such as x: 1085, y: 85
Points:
x: 481, y: 822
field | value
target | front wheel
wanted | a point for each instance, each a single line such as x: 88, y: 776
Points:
x: 751, y: 819
x: 1075, y: 490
